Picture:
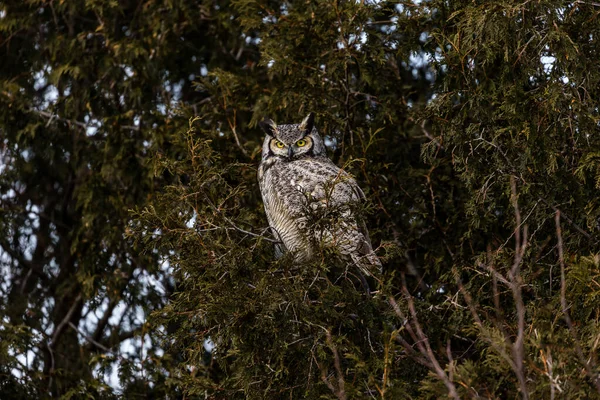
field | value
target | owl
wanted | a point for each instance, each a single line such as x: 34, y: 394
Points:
x: 309, y: 201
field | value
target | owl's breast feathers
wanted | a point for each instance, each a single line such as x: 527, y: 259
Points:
x: 294, y: 191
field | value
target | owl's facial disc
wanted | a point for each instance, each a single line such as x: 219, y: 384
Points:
x: 293, y: 150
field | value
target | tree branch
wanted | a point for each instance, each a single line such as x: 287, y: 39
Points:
x: 589, y: 364
x: 340, y: 392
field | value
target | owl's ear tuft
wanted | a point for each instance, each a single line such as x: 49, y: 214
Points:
x: 307, y: 123
x: 268, y: 126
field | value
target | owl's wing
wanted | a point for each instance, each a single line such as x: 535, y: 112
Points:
x: 364, y: 257
x: 333, y: 189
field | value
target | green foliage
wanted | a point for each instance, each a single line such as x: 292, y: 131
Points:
x: 134, y: 241
x: 87, y: 92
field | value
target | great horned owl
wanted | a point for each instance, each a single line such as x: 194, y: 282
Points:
x: 308, y: 199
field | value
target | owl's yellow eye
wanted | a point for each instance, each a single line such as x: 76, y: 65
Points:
x: 301, y: 143
x: 279, y: 144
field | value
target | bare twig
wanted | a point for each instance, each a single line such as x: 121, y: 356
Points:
x: 423, y: 341
x: 430, y: 136
x: 233, y: 127
x: 90, y: 339
x: 52, y: 117
x: 588, y: 364
x: 589, y: 3
x: 566, y: 218
x: 217, y: 210
x: 471, y: 305
x: 57, y: 333
x: 237, y: 228
x: 340, y: 392
x: 515, y: 285
x: 61, y: 326
x: 410, y: 349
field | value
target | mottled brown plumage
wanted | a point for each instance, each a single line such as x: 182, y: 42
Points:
x: 308, y: 199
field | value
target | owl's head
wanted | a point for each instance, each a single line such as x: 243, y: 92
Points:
x: 292, y: 141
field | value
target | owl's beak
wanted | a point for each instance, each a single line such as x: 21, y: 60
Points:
x: 290, y: 152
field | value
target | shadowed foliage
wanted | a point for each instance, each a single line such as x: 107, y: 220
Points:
x: 136, y: 259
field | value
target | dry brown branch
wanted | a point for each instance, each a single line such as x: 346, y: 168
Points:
x: 71, y: 122
x: 422, y: 341
x: 588, y: 364
x: 410, y: 349
x: 386, y: 365
x: 60, y: 328
x: 50, y: 346
x: 471, y: 305
x: 90, y: 339
x: 340, y: 393
x: 515, y: 279
x: 233, y: 127
x: 514, y: 282
x: 430, y: 136
x: 566, y: 218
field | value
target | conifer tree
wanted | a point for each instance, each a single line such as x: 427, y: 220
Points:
x: 88, y: 91
x: 132, y: 232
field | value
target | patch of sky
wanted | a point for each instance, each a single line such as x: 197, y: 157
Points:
x: 39, y: 79
x: 391, y: 27
x: 176, y: 88
x: 127, y: 70
x: 192, y: 221
x: 417, y: 60
x: 133, y: 350
x: 209, y: 345
x: 26, y: 155
x: 50, y: 94
x: 27, y: 241
x: 148, y: 283
x: 112, y: 380
x: 33, y: 215
x: 3, y: 158
x: 561, y: 12
x: 283, y: 9
x: 269, y: 19
x: 330, y: 142
x: 432, y: 98
x: 5, y: 274
x: 92, y: 125
x: 91, y: 130
x: 47, y: 324
x: 252, y: 40
x: 548, y: 63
